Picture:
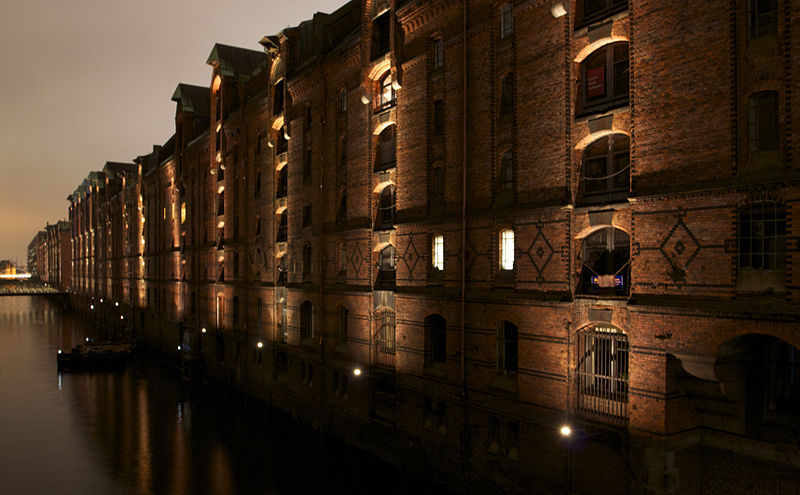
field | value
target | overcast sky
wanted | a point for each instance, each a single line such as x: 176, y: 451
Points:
x: 83, y: 82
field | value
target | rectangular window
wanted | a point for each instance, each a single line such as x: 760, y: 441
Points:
x: 306, y: 216
x: 763, y: 121
x: 507, y: 250
x: 343, y: 100
x: 438, y: 183
x: 307, y: 167
x: 438, y: 118
x: 438, y: 252
x: 762, y: 18
x: 507, y: 349
x: 438, y: 53
x: 603, y: 372
x: 506, y: 20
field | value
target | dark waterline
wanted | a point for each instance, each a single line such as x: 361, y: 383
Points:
x: 144, y: 430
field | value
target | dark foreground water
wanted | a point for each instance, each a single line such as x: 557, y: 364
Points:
x: 144, y: 430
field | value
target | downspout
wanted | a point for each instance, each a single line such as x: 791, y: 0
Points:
x: 463, y: 199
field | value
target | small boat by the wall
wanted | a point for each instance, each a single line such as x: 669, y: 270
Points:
x: 96, y: 355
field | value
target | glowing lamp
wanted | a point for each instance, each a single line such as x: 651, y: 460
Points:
x: 179, y: 348
x: 203, y: 329
x: 260, y: 345
x: 565, y: 431
x: 357, y: 372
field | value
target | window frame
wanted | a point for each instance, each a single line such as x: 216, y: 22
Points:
x: 506, y: 254
x: 778, y: 238
x: 437, y: 49
x: 507, y: 20
x: 612, y: 174
x: 613, y: 70
x: 761, y: 23
x: 603, y: 372
x: 437, y: 253
x: 507, y: 349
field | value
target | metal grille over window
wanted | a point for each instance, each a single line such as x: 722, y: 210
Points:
x: 606, y: 263
x: 602, y: 373
x: 384, y: 338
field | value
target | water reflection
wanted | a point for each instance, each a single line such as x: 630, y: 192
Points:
x: 144, y: 430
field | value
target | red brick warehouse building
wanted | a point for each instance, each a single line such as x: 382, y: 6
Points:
x: 509, y: 216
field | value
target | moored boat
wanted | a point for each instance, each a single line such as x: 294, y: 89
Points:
x: 96, y: 355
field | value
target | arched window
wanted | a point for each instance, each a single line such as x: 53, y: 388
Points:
x: 282, y: 145
x: 606, y: 263
x: 604, y: 82
x: 283, y: 226
x: 507, y: 348
x: 283, y: 183
x: 277, y: 98
x: 602, y: 372
x: 435, y: 339
x: 507, y: 249
x: 306, y: 321
x: 385, y: 157
x: 606, y: 166
x: 386, y: 93
x: 386, y: 208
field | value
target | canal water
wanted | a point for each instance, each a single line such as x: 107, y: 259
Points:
x: 144, y: 430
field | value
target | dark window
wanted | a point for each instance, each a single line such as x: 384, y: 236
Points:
x: 259, y: 309
x: 438, y: 117
x: 307, y: 216
x: 603, y: 372
x: 343, y: 316
x: 283, y: 182
x: 507, y: 94
x: 306, y: 323
x: 762, y: 236
x: 258, y: 224
x: 606, y: 166
x: 507, y: 348
x: 343, y: 100
x: 236, y: 308
x: 437, y: 183
x: 606, y: 262
x: 343, y: 154
x: 435, y: 339
x: 283, y: 224
x: 221, y: 203
x: 282, y: 145
x: 506, y: 176
x: 604, y: 79
x: 277, y: 98
x: 307, y: 167
x: 507, y: 20
x: 386, y: 93
x: 385, y: 156
x: 257, y: 185
x: 220, y: 348
x: 341, y: 211
x: 594, y: 10
x: 386, y: 208
x: 512, y: 440
x: 306, y: 263
x: 763, y: 109
x: 381, y: 34
x: 762, y: 18
x: 438, y: 53
x: 235, y: 271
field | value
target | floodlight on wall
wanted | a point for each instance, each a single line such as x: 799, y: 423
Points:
x: 364, y: 99
x: 558, y: 9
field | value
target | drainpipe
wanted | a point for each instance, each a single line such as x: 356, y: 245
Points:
x: 464, y: 200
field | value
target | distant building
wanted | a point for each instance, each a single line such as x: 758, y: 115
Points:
x: 7, y: 268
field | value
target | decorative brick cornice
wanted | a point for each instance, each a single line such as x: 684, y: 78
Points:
x: 415, y: 16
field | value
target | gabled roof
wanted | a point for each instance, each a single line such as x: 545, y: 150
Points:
x: 235, y: 61
x: 195, y: 99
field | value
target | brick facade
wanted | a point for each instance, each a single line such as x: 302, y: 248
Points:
x: 614, y: 187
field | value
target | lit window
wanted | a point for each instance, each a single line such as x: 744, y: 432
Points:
x: 386, y: 93
x: 506, y: 20
x: 507, y: 249
x: 183, y: 212
x: 438, y: 252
